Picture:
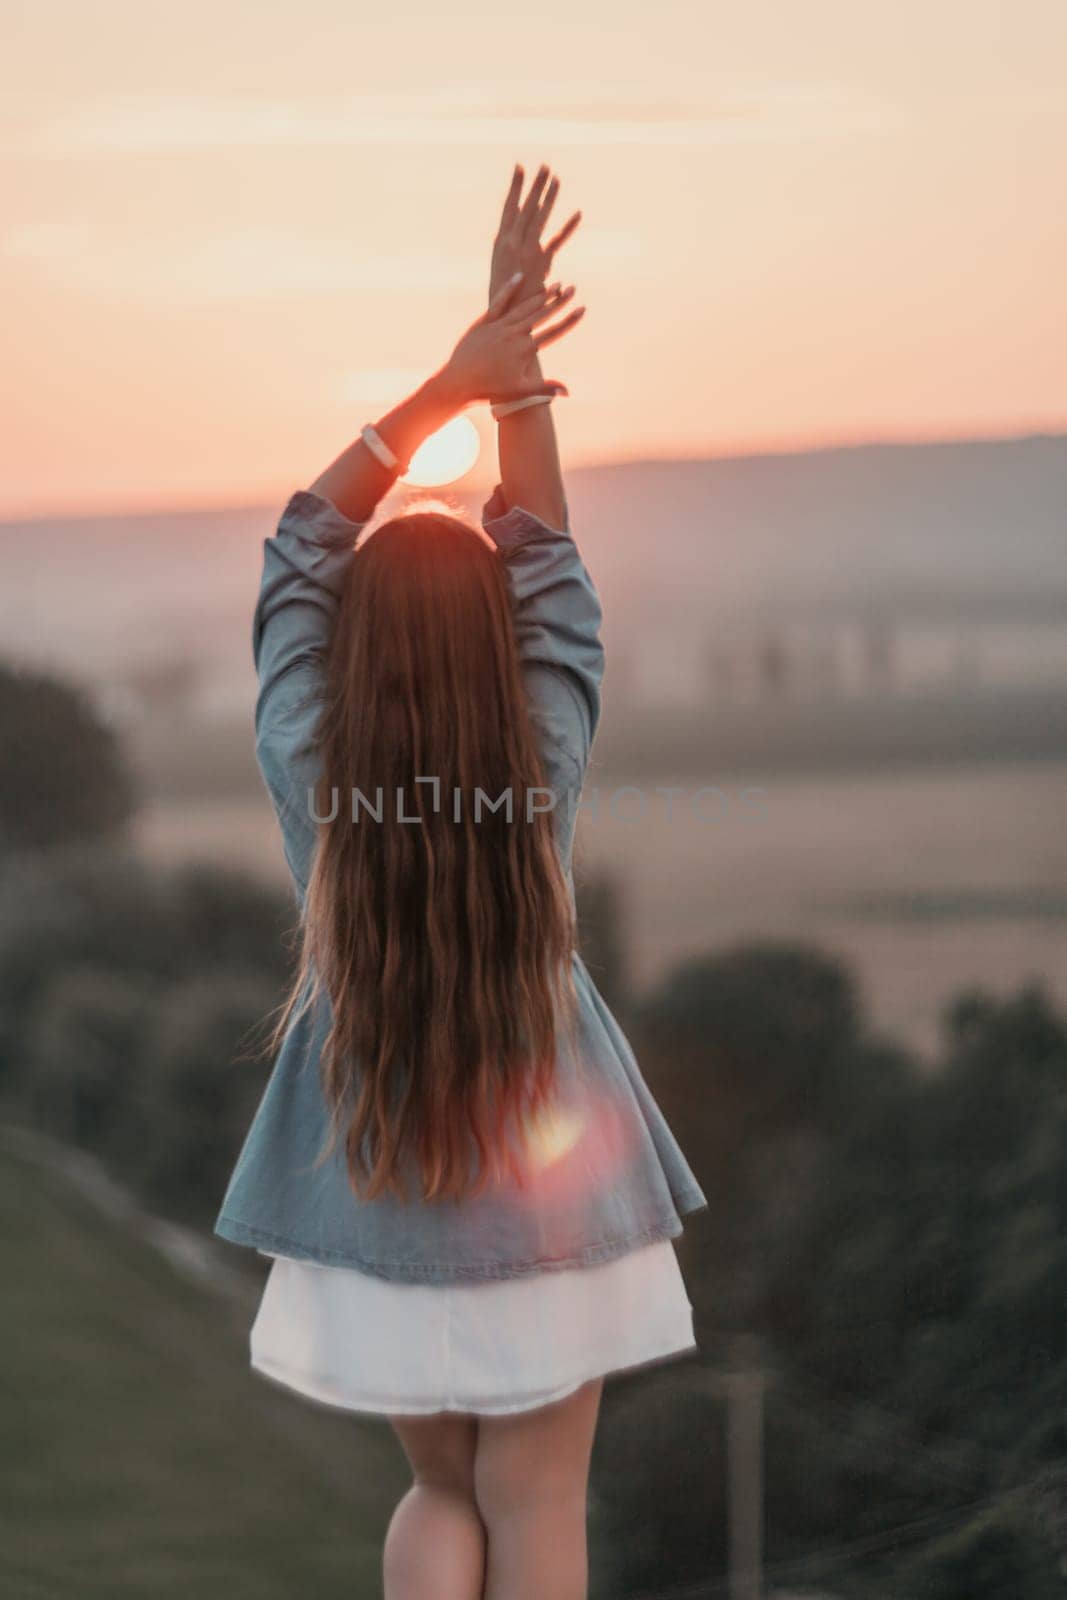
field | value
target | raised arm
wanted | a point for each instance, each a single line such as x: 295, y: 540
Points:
x: 305, y: 564
x: 554, y: 600
x: 530, y: 470
x: 557, y: 625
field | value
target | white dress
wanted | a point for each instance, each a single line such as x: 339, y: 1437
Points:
x: 343, y: 1337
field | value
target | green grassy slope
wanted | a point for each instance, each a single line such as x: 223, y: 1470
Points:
x: 139, y: 1455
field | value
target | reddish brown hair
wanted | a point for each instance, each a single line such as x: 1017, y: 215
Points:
x: 443, y: 946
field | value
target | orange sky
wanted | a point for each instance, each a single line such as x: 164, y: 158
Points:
x: 234, y: 230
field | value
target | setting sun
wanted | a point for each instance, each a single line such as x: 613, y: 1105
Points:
x: 446, y: 455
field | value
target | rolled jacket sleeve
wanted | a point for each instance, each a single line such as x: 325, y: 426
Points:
x: 306, y: 565
x: 558, y: 617
x: 305, y: 568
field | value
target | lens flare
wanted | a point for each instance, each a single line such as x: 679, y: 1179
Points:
x: 445, y: 456
x: 551, y: 1135
x: 571, y: 1151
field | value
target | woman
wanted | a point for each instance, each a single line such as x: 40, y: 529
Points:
x: 467, y: 1189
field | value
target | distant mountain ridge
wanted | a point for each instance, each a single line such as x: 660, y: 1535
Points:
x: 951, y: 530
x: 939, y: 532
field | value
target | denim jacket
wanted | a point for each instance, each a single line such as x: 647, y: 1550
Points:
x: 605, y: 1173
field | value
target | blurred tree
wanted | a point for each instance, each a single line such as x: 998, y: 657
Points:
x: 757, y: 1038
x: 193, y: 1096
x: 108, y: 909
x: 64, y: 776
x: 83, y: 1044
x: 993, y: 1554
x: 756, y: 1053
x: 658, y: 1511
x: 601, y: 938
x: 230, y: 919
x: 927, y: 1301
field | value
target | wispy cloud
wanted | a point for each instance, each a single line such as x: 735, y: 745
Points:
x: 140, y: 125
x: 256, y: 263
x: 249, y: 264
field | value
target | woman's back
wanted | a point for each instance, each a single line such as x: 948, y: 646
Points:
x: 601, y: 1171
x: 435, y: 885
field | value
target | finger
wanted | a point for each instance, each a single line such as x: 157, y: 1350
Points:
x: 511, y: 200
x: 521, y: 309
x: 544, y: 211
x: 503, y: 298
x: 552, y: 304
x: 558, y: 329
x: 563, y: 235
x: 533, y: 199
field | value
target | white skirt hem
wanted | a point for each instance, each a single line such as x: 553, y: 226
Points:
x: 347, y: 1339
x: 326, y: 1392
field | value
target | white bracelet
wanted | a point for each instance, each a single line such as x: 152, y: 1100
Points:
x: 504, y: 408
x: 379, y: 449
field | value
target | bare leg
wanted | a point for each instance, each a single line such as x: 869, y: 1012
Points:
x: 531, y: 1474
x: 435, y: 1547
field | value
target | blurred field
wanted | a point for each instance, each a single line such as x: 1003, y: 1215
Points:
x: 141, y: 1456
x: 929, y: 880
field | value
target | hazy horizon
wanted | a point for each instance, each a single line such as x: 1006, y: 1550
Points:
x: 478, y: 481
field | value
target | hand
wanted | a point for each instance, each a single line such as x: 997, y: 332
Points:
x: 496, y: 359
x: 517, y: 246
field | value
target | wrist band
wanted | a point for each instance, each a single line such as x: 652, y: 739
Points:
x: 380, y: 450
x: 504, y: 408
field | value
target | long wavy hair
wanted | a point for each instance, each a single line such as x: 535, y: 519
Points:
x: 443, y: 944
